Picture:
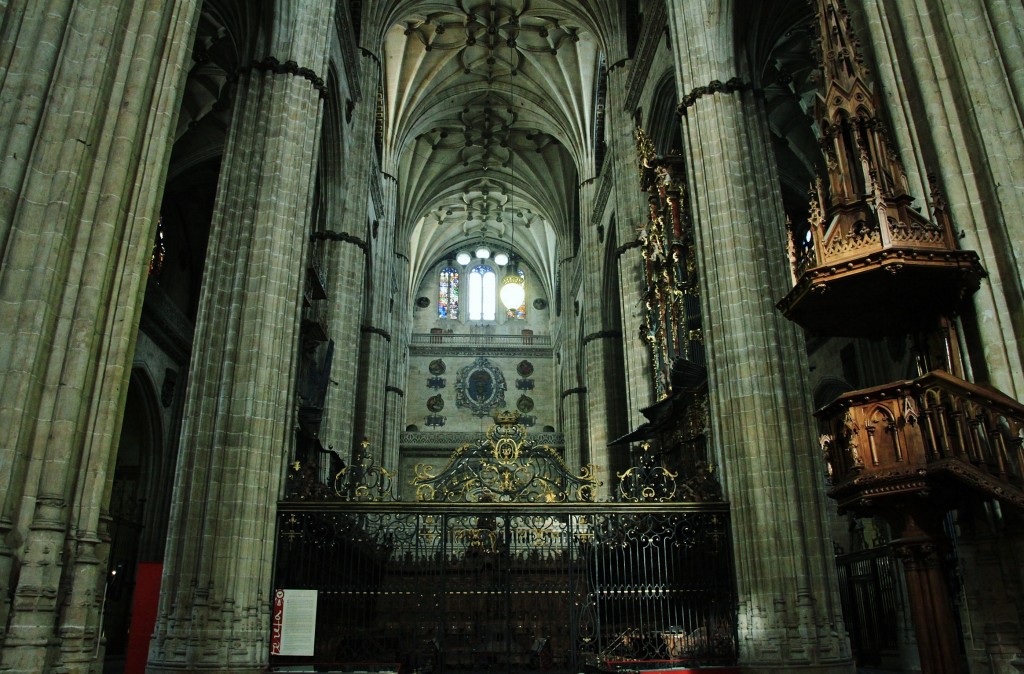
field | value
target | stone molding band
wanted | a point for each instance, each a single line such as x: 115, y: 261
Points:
x: 271, y: 64
x: 621, y: 250
x: 395, y: 390
x: 602, y: 200
x: 369, y: 54
x: 603, y: 334
x: 329, y: 235
x: 369, y: 329
x: 579, y: 390
x: 730, y: 86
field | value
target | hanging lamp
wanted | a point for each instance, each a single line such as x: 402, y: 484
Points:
x: 513, y: 289
x: 513, y: 286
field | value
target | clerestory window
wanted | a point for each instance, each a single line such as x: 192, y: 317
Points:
x: 448, y: 293
x: 482, y: 283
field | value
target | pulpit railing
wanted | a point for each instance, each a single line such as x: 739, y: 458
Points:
x: 896, y: 438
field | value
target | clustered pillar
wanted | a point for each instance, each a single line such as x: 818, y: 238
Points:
x: 79, y: 189
x: 789, y: 613
x: 215, y: 597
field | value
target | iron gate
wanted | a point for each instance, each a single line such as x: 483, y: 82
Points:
x: 870, y: 594
x: 504, y: 564
x: 512, y: 587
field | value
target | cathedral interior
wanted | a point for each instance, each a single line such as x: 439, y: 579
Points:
x: 512, y: 336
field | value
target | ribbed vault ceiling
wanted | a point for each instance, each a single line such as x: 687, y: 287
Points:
x: 490, y: 110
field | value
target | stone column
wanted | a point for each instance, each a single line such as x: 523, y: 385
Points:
x: 600, y: 355
x: 639, y: 372
x: 630, y: 213
x: 594, y: 352
x: 216, y: 590
x: 79, y: 190
x: 394, y: 410
x: 377, y: 338
x: 572, y: 402
x: 956, y: 51
x: 375, y: 346
x: 349, y: 246
x: 398, y: 372
x: 572, y: 397
x: 763, y: 433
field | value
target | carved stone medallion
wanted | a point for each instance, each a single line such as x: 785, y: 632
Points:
x: 480, y: 387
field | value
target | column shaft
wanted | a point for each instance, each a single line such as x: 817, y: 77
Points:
x: 630, y: 213
x: 236, y: 438
x: 79, y: 188
x: 762, y: 430
x: 347, y: 281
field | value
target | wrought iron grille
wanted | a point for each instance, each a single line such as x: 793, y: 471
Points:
x: 512, y: 587
x: 869, y: 589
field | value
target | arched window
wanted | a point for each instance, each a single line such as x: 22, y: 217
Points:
x: 448, y: 293
x: 481, y: 293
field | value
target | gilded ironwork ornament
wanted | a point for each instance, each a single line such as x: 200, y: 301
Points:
x: 363, y: 479
x: 650, y: 481
x: 437, y: 367
x: 525, y: 368
x: 505, y: 466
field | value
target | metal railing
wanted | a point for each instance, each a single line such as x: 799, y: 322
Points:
x: 513, y: 587
x: 869, y: 590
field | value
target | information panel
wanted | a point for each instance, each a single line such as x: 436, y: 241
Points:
x: 293, y: 629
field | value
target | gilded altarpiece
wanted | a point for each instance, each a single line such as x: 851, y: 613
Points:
x: 675, y: 439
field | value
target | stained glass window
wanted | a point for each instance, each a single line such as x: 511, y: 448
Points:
x: 482, y: 287
x: 448, y: 293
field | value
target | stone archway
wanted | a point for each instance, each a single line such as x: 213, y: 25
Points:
x: 133, y: 496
